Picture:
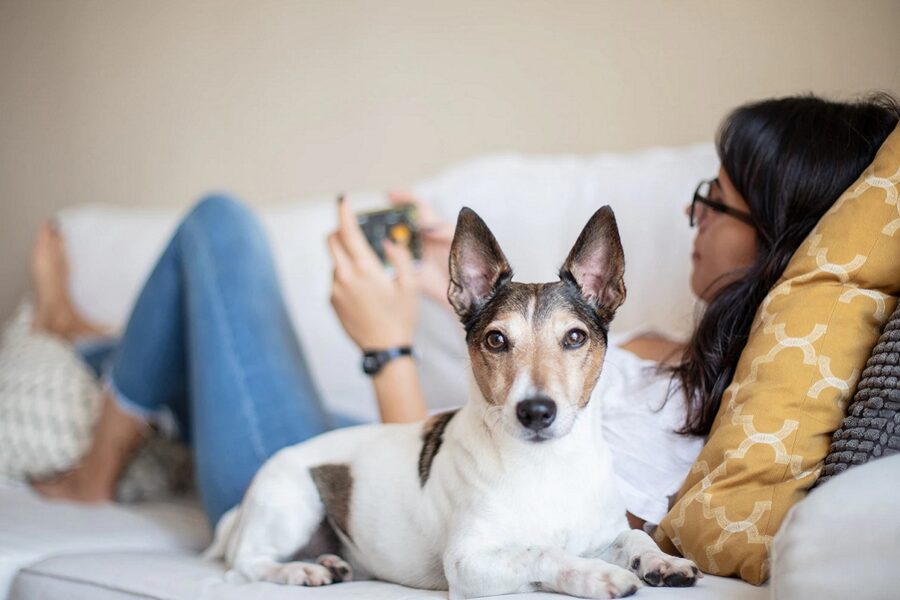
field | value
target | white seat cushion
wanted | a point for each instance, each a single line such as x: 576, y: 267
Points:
x: 843, y: 540
x: 180, y: 576
x: 32, y: 528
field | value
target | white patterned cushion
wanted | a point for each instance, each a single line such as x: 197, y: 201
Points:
x: 49, y: 402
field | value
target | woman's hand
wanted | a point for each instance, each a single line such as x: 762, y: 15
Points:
x: 436, y: 236
x: 377, y: 311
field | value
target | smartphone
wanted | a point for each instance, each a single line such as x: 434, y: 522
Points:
x: 398, y: 224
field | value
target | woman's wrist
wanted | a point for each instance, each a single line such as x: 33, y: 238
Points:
x: 398, y: 391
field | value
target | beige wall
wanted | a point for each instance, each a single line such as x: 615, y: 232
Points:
x: 150, y: 102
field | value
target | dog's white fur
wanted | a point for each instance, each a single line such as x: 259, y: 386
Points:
x: 498, y: 513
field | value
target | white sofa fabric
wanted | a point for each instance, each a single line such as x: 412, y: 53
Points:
x: 843, y: 540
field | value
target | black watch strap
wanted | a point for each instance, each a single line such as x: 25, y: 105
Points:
x: 374, y: 360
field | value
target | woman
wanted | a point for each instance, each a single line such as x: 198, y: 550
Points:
x: 209, y: 336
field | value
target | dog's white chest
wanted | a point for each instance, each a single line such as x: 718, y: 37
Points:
x: 576, y: 509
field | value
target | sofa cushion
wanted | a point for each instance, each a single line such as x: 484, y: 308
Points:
x: 32, y: 528
x: 181, y: 576
x: 843, y: 540
x: 807, y: 346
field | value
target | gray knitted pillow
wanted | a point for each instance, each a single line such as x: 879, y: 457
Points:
x: 872, y: 426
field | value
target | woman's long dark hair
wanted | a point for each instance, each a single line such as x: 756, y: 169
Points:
x: 790, y: 159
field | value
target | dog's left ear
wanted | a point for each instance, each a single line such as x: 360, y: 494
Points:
x: 478, y: 268
x: 596, y: 264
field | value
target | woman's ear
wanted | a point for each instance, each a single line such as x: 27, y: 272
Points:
x: 596, y: 264
x: 478, y: 267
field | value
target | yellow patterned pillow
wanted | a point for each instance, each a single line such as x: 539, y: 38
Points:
x: 808, y: 344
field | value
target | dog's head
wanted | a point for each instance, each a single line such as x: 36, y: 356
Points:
x: 536, y: 349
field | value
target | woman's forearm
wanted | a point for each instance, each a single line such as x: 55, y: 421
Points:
x: 399, y: 393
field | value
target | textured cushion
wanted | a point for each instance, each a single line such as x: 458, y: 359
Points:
x: 843, y: 540
x: 871, y: 428
x: 49, y: 402
x: 807, y: 347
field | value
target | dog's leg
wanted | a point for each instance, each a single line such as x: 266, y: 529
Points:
x: 635, y: 550
x: 497, y: 571
x: 278, y: 517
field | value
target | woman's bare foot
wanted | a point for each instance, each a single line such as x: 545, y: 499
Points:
x: 116, y: 436
x: 75, y: 485
x: 53, y: 311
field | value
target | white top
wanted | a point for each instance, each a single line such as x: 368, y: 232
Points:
x: 651, y: 460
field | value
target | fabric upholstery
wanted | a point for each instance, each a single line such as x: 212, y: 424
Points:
x: 843, y: 540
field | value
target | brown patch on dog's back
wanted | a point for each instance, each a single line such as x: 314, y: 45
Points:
x: 335, y: 485
x: 432, y: 438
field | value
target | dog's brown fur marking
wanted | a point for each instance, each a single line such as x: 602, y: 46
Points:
x: 335, y: 485
x: 432, y: 438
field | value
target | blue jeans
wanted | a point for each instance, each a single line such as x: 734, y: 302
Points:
x: 209, y: 340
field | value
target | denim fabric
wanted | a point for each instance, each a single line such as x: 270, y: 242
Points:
x: 210, y: 340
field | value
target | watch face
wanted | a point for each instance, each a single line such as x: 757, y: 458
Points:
x: 371, y: 364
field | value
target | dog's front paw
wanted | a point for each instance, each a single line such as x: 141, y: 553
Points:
x: 340, y: 569
x: 660, y: 569
x: 599, y: 580
x: 300, y: 573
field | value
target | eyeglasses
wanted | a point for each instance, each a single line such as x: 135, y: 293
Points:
x: 702, y: 203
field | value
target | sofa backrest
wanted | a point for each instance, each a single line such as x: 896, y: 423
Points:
x: 536, y: 207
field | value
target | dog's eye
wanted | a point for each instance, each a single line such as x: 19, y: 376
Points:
x: 495, y: 341
x: 575, y: 338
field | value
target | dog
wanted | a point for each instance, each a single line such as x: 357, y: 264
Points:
x: 513, y: 492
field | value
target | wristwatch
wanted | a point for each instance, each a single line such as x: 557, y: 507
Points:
x: 374, y: 360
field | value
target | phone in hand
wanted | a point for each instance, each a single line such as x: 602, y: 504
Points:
x: 398, y: 224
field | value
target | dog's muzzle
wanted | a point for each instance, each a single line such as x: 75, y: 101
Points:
x: 536, y: 413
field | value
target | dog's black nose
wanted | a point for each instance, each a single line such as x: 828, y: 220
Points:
x: 536, y: 413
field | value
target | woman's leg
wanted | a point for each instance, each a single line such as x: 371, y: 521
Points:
x: 209, y: 338
x: 54, y: 312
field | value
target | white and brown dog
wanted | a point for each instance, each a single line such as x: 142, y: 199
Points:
x: 514, y: 492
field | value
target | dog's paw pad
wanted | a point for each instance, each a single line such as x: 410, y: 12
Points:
x: 300, y: 573
x: 659, y: 569
x: 339, y: 568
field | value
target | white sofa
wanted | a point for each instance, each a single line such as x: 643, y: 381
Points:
x: 535, y: 206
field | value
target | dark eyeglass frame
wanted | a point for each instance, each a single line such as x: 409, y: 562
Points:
x: 718, y: 207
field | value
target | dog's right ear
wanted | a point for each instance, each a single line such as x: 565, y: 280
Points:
x: 478, y: 267
x: 596, y: 264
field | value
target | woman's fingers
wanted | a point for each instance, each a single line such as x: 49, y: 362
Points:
x: 353, y: 239
x: 401, y: 258
x: 439, y: 233
x: 427, y: 217
x: 343, y: 265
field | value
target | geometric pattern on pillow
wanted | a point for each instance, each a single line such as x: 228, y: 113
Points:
x: 49, y: 401
x: 809, y: 341
x: 871, y: 428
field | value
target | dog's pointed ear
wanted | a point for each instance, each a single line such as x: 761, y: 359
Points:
x: 478, y: 267
x: 596, y: 264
